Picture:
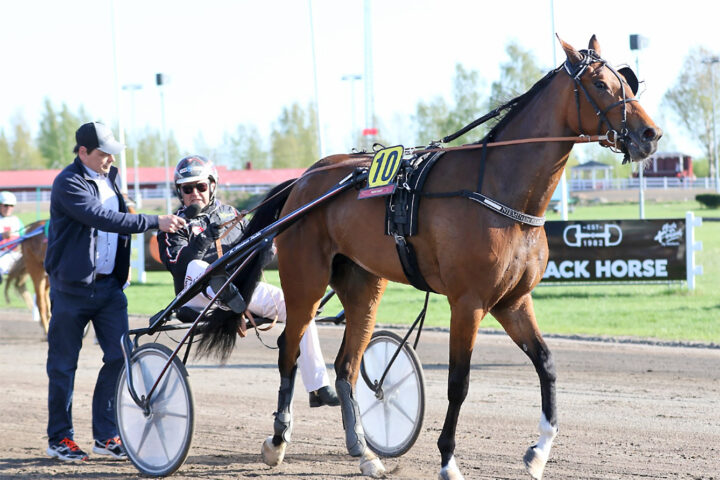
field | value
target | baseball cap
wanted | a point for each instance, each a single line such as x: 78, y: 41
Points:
x: 94, y: 135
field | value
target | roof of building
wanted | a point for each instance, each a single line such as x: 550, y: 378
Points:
x: 592, y: 165
x: 24, y: 179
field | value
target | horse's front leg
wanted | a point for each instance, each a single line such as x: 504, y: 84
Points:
x: 273, y: 448
x: 464, y: 324
x: 519, y: 322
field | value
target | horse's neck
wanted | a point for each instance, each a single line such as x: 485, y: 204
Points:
x: 525, y: 176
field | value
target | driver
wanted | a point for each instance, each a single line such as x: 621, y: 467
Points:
x: 10, y: 228
x: 188, y: 252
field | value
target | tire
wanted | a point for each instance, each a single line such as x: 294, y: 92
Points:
x: 393, y: 422
x: 157, y: 444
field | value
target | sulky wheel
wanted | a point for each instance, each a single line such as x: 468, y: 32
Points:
x: 392, y: 418
x: 157, y: 441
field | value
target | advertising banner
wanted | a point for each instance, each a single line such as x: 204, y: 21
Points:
x: 616, y: 251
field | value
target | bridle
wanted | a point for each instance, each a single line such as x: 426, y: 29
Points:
x: 617, y: 140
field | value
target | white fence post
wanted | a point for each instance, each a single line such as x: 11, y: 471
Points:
x: 691, y: 246
x: 139, y: 263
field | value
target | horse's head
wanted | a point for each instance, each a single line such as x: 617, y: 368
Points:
x: 606, y: 95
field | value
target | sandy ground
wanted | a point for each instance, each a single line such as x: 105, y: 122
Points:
x: 627, y: 411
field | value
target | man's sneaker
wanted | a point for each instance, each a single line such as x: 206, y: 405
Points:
x: 324, y: 396
x: 112, y: 447
x: 67, y: 450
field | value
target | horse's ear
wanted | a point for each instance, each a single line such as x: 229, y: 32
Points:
x: 593, y: 44
x: 573, y: 55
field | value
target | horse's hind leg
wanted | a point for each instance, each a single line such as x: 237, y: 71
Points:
x: 360, y: 293
x: 304, y: 284
x: 518, y: 320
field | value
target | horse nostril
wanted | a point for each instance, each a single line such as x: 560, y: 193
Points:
x: 651, y: 134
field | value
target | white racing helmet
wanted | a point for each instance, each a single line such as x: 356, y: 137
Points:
x: 7, y: 198
x: 195, y: 168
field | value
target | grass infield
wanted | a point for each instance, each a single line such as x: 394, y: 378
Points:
x: 665, y: 312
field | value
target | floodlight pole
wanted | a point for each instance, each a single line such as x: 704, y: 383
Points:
x: 636, y: 43
x: 353, y: 123
x: 132, y: 88
x: 711, y: 61
x: 160, y: 80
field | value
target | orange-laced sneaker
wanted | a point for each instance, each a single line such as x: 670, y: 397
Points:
x: 111, y: 446
x: 67, y: 450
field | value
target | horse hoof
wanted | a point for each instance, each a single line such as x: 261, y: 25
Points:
x: 371, y: 466
x: 450, y: 471
x: 534, y: 463
x: 272, y: 455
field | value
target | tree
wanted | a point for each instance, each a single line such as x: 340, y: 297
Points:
x: 517, y: 75
x: 24, y: 154
x: 294, y: 140
x: 150, y: 149
x: 436, y: 119
x: 56, y: 139
x: 244, y: 148
x: 5, y: 153
x: 689, y: 100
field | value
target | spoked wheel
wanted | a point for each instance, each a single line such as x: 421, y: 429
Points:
x: 158, y: 441
x: 392, y: 419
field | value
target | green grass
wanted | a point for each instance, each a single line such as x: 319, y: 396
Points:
x: 668, y: 312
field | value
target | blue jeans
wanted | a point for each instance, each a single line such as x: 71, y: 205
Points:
x: 106, y: 307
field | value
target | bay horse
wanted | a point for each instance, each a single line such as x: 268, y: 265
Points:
x: 483, y: 262
x: 32, y: 264
x: 33, y: 255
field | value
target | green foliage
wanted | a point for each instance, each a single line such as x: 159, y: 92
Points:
x: 689, y: 100
x: 436, y: 119
x: 5, y: 152
x: 517, y: 75
x: 150, y: 149
x: 701, y: 167
x: 709, y: 200
x: 245, y: 148
x: 294, y: 140
x: 24, y: 153
x: 57, y: 135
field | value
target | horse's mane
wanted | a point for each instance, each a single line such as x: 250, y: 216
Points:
x: 514, y: 106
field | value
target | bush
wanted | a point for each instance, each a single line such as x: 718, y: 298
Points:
x: 709, y: 200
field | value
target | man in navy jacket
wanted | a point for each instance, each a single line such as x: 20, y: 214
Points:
x: 88, y: 261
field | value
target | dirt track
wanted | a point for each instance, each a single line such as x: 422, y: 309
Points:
x: 626, y: 412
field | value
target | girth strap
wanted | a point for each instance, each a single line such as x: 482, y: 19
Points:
x: 408, y: 260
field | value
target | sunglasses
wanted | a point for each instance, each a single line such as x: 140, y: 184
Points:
x: 201, y: 188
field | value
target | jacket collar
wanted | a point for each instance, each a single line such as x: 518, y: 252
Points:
x: 80, y: 169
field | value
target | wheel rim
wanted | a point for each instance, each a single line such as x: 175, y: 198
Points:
x: 156, y: 443
x: 391, y: 423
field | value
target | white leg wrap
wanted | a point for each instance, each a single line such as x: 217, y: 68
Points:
x: 450, y: 471
x: 536, y: 456
x: 547, y: 435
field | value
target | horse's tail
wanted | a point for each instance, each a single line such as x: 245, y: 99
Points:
x: 219, y: 335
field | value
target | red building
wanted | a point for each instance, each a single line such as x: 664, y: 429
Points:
x: 668, y: 164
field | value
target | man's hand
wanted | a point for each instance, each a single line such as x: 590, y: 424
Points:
x: 171, y: 223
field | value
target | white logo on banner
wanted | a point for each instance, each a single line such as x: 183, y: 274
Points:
x: 592, y: 235
x: 669, y: 235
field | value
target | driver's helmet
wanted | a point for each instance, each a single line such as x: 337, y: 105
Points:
x: 195, y: 168
x: 7, y: 198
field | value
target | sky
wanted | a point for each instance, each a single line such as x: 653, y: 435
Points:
x: 238, y: 62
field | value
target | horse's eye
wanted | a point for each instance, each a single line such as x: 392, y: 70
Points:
x: 600, y: 85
